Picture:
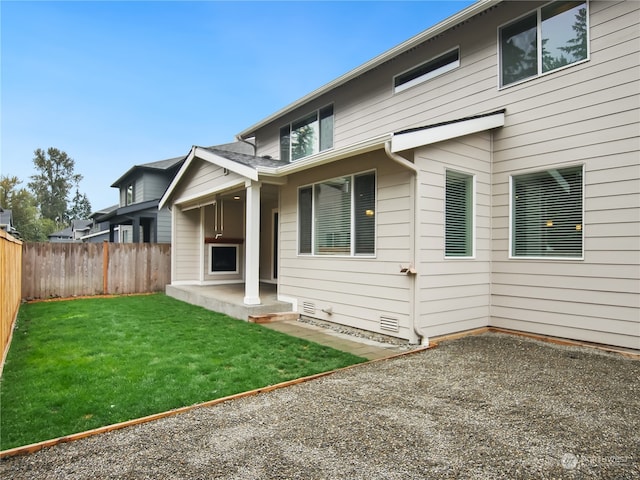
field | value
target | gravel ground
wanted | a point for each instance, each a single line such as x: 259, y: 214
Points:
x: 486, y: 406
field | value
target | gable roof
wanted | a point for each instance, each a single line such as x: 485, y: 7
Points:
x: 237, y: 157
x: 159, y: 166
x: 450, y: 22
x: 253, y: 167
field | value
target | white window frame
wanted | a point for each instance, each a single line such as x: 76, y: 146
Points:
x: 539, y: 73
x: 352, y: 245
x: 429, y: 75
x: 512, y: 255
x: 318, y: 141
x: 473, y: 179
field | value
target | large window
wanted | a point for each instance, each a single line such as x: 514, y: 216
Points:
x: 546, y: 213
x: 459, y: 193
x: 550, y: 38
x: 337, y: 217
x: 307, y: 135
x: 430, y: 69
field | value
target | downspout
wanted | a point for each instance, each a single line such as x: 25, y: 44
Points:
x: 253, y: 145
x: 422, y: 338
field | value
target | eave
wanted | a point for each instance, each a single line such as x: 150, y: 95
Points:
x: 413, y: 42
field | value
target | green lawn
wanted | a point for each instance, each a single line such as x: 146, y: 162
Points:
x: 81, y: 364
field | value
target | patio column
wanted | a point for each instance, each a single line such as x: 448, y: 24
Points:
x: 252, y: 244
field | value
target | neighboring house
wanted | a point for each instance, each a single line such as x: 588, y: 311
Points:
x: 6, y: 222
x: 483, y: 173
x: 137, y: 219
x: 99, y: 231
x: 72, y: 233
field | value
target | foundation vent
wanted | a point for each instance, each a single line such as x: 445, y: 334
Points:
x: 389, y: 323
x: 309, y: 308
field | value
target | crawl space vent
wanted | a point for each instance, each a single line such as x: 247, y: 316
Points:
x: 309, y: 308
x: 389, y: 323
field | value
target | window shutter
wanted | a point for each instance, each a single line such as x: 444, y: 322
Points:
x: 547, y: 213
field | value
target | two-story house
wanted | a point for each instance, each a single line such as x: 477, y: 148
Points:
x: 137, y: 218
x: 485, y: 172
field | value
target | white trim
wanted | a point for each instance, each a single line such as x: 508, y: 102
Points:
x: 292, y: 300
x: 230, y: 165
x: 185, y: 202
x: 206, y: 155
x: 176, y: 179
x: 201, y: 235
x: 437, y: 29
x: 448, y: 131
x: 174, y: 236
x: 331, y: 155
x: 91, y: 235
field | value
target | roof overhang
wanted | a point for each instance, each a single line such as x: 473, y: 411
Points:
x: 328, y: 156
x: 413, y: 42
x: 274, y: 175
x: 417, y: 137
x: 390, y: 142
x: 211, y: 157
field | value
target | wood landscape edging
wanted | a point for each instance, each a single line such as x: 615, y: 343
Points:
x: 34, y: 447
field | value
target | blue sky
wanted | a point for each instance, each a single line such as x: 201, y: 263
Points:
x: 120, y: 83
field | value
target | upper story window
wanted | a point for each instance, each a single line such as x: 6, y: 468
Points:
x: 430, y: 69
x: 129, y: 195
x: 307, y: 135
x: 550, y: 38
x: 337, y: 217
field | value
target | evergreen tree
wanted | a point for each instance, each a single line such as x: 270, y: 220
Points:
x: 52, y: 185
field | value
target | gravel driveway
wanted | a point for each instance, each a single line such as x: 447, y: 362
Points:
x: 485, y: 406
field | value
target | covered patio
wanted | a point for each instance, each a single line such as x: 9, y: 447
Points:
x: 229, y: 299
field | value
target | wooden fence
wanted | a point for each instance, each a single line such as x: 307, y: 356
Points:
x: 10, y: 280
x: 51, y: 270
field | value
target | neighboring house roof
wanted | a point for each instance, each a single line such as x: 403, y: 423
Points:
x: 76, y: 226
x: 64, y: 233
x: 128, y: 210
x: 413, y: 42
x: 164, y: 165
x: 103, y: 211
x: 81, y: 225
x: 159, y: 166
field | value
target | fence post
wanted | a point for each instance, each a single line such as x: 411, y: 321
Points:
x: 105, y: 267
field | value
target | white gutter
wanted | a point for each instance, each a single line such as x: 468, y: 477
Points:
x: 413, y: 42
x: 423, y: 339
